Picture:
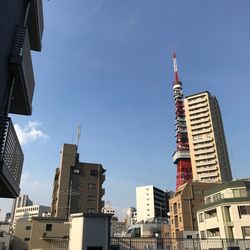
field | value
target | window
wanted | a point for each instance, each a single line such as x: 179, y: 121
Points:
x: 90, y: 210
x: 91, y: 198
x: 203, y: 234
x: 201, y: 217
x: 243, y: 210
x: 93, y: 172
x: 28, y: 228
x: 241, y: 192
x: 175, y: 208
x: 26, y: 239
x: 189, y: 237
x: 246, y: 231
x: 213, y: 232
x: 92, y: 185
x: 48, y: 227
x: 211, y: 213
x: 76, y: 171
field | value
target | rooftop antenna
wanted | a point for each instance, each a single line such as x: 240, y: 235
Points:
x: 78, y: 135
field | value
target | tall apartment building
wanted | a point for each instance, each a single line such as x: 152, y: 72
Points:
x: 150, y: 203
x: 77, y: 185
x: 207, y: 143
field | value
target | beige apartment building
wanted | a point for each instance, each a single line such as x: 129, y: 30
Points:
x: 207, y: 143
x: 183, y: 207
x: 77, y: 185
x: 226, y: 212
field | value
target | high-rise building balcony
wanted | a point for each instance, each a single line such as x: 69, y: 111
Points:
x: 206, y: 169
x: 201, y: 125
x: 203, y: 145
x: 204, y: 163
x: 11, y: 160
x: 35, y: 24
x: 206, y: 156
x: 197, y: 100
x: 198, y: 111
x: 197, y: 106
x: 202, y: 131
x: 195, y: 120
x: 204, y: 151
x: 102, y: 178
x: 102, y: 191
x: 209, y: 175
x: 200, y: 115
x: 23, y: 76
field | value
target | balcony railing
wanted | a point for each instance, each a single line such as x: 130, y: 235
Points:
x: 22, y: 70
x: 11, y: 160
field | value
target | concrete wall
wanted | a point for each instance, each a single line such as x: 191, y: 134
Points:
x: 21, y: 235
x: 41, y: 238
x: 5, y: 236
x: 89, y: 230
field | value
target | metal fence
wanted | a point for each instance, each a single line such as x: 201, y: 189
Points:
x: 178, y: 244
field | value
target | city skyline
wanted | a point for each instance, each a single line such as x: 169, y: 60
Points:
x: 107, y: 66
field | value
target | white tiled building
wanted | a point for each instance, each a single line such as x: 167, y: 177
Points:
x: 226, y: 213
x: 26, y: 213
x: 150, y: 203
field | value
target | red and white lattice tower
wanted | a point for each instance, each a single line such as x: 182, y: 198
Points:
x: 181, y: 156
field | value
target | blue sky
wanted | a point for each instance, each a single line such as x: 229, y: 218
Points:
x: 106, y: 65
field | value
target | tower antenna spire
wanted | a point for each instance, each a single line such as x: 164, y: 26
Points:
x: 78, y: 135
x: 181, y: 156
x: 176, y: 75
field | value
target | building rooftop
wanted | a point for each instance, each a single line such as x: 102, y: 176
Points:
x: 230, y: 184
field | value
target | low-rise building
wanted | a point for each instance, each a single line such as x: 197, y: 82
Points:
x: 131, y: 217
x: 183, y: 207
x: 41, y: 233
x: 226, y: 212
x: 89, y: 231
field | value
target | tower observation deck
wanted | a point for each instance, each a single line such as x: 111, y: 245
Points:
x: 181, y: 156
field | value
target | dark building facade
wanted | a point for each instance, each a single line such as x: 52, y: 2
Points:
x: 21, y: 28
